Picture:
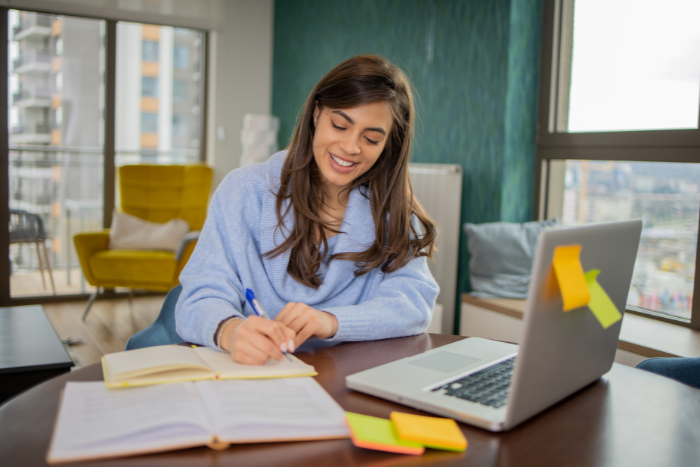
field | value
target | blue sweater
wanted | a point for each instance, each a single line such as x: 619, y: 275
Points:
x: 228, y: 259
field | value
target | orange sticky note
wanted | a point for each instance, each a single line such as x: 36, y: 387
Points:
x: 569, y: 272
x: 433, y: 432
x: 379, y: 434
x: 602, y: 307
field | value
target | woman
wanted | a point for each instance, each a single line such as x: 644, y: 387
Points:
x: 327, y: 234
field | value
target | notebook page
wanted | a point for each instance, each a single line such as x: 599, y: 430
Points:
x: 221, y: 363
x: 92, y: 414
x: 122, y: 365
x: 271, y: 409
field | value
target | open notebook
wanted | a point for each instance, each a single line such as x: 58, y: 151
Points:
x: 95, y: 422
x: 174, y: 363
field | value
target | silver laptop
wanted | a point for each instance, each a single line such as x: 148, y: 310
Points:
x: 495, y: 385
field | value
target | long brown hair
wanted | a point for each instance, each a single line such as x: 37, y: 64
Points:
x: 360, y: 80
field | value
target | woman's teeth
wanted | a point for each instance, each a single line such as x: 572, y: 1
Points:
x: 341, y: 162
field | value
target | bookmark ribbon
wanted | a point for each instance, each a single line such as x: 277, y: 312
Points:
x: 579, y: 289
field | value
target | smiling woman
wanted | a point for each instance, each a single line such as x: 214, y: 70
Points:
x: 327, y: 233
x: 348, y: 143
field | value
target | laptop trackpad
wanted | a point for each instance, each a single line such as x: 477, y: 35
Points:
x: 446, y: 362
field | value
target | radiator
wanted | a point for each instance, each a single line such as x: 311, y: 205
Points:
x: 438, y: 188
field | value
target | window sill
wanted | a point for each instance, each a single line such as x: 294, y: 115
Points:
x: 644, y: 336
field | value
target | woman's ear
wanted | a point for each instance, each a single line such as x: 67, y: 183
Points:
x: 317, y: 112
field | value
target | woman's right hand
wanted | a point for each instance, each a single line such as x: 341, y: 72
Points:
x: 254, y: 340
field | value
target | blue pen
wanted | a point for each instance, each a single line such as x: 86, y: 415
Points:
x: 260, y: 311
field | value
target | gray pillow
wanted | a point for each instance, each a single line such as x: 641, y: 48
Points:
x: 501, y: 257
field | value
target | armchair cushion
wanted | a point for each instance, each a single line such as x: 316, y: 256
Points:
x: 134, y: 268
x: 130, y: 232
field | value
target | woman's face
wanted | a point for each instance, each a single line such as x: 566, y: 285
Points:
x: 348, y: 142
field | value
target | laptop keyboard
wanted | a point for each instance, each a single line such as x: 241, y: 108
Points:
x: 488, y: 386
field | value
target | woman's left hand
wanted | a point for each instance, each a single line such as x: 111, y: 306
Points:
x: 307, y: 322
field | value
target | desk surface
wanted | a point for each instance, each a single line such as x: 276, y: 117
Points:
x: 629, y: 417
x: 28, y: 342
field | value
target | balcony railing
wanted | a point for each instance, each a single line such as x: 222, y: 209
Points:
x: 31, y: 57
x: 29, y: 20
x: 31, y: 128
x: 23, y: 94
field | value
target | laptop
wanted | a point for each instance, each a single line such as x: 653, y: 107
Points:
x: 496, y: 385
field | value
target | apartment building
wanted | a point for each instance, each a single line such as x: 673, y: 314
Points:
x: 57, y: 116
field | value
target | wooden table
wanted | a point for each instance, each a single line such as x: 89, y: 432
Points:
x: 628, y: 418
x: 30, y: 350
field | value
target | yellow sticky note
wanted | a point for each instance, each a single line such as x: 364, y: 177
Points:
x: 602, y: 307
x: 379, y: 434
x: 569, y: 272
x: 433, y: 432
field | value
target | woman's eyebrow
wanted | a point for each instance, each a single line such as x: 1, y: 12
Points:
x: 352, y: 122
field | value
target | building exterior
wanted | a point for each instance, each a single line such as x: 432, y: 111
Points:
x: 56, y: 116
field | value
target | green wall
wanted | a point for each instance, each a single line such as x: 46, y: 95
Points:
x: 474, y: 65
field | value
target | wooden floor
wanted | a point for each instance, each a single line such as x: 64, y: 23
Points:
x: 107, y: 327
x: 32, y: 283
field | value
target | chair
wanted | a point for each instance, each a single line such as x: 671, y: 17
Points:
x: 156, y: 193
x: 26, y: 227
x: 162, y: 331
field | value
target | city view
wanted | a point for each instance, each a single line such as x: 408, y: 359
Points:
x: 666, y: 196
x: 57, y: 101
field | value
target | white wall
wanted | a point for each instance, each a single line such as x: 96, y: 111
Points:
x: 240, y: 78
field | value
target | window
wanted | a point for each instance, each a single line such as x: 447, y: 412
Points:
x: 56, y: 148
x: 179, y: 125
x: 139, y: 139
x: 618, y: 136
x: 181, y: 57
x: 628, y: 76
x: 58, y: 117
x: 149, y: 51
x: 149, y: 86
x: 69, y: 130
x: 149, y: 122
x: 180, y: 90
x: 58, y: 81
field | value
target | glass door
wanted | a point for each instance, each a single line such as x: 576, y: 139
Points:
x: 56, y: 140
x: 86, y: 96
x: 159, y: 94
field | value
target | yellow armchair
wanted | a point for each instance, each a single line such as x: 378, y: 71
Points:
x: 156, y: 193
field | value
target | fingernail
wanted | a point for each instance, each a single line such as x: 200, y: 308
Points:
x: 283, y: 347
x: 291, y: 345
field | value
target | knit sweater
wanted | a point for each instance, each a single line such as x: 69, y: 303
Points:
x: 241, y: 226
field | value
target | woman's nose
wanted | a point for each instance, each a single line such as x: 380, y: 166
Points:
x: 351, y: 144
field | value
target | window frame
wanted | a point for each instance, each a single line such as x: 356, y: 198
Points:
x: 643, y: 145
x: 109, y: 150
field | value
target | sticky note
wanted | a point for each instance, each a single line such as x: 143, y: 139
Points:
x: 602, y: 307
x: 433, y: 432
x: 569, y: 272
x: 379, y: 434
